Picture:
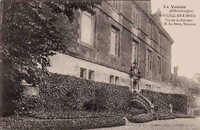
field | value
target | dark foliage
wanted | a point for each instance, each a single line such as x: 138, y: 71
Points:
x: 29, y: 37
x: 179, y: 102
x: 165, y: 116
x: 177, y: 115
x: 142, y: 118
x: 64, y: 94
x: 16, y: 123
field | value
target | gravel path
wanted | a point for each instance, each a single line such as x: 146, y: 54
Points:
x: 174, y: 124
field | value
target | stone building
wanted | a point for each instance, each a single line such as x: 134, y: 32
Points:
x: 105, y: 45
x: 121, y: 34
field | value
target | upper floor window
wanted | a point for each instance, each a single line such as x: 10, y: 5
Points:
x: 135, y: 18
x: 86, y: 28
x: 116, y: 5
x: 148, y: 29
x: 115, y: 43
x: 134, y: 51
x: 158, y: 37
x: 159, y: 65
x: 149, y: 60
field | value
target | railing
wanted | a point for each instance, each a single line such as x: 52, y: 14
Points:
x: 162, y: 105
x: 142, y: 99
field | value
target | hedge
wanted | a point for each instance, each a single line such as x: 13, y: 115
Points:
x: 16, y: 123
x: 183, y: 116
x: 165, y: 116
x: 178, y: 101
x: 63, y: 94
x: 142, y: 118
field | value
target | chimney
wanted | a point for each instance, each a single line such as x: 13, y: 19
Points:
x: 176, y: 70
x: 158, y: 15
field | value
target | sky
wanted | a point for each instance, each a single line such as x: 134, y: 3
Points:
x: 186, y: 47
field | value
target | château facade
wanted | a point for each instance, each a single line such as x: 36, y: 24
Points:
x: 103, y: 47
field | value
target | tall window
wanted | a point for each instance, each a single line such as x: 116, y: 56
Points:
x: 134, y: 51
x: 115, y: 43
x: 116, y: 5
x: 159, y: 65
x: 149, y: 60
x: 135, y: 17
x: 159, y: 38
x: 148, y: 27
x: 86, y: 27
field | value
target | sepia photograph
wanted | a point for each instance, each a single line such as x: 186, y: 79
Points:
x: 99, y: 65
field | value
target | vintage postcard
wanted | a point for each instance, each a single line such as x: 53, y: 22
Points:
x: 99, y: 64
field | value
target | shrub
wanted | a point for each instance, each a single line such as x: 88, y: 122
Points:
x: 69, y: 124
x: 166, y: 116
x: 183, y: 116
x: 142, y: 118
x: 178, y: 101
x: 61, y: 94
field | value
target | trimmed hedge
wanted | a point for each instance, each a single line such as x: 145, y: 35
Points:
x: 179, y: 102
x: 67, y: 102
x: 183, y: 116
x: 69, y: 92
x: 166, y: 116
x: 142, y: 118
x: 15, y: 123
x: 61, y: 94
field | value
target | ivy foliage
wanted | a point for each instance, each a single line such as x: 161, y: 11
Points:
x: 30, y: 37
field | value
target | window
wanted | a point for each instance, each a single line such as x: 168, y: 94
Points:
x: 116, y: 80
x: 86, y: 28
x: 159, y: 40
x: 112, y: 79
x: 83, y: 73
x: 115, y: 44
x: 159, y: 65
x: 91, y: 75
x: 134, y: 51
x: 135, y: 18
x: 148, y: 27
x: 149, y: 60
x: 116, y: 5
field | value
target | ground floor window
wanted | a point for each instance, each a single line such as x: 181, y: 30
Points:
x: 83, y: 73
x: 91, y: 75
x: 114, y: 80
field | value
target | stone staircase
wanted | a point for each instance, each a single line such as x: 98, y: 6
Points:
x: 142, y: 100
x: 162, y: 110
x: 153, y: 105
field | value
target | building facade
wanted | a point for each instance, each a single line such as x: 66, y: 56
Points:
x: 104, y: 46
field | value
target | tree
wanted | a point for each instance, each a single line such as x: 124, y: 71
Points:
x: 30, y: 37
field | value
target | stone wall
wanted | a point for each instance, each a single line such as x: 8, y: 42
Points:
x: 158, y: 42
